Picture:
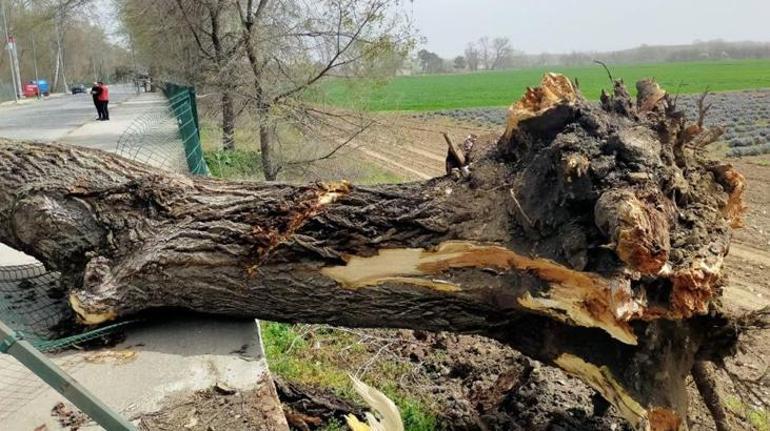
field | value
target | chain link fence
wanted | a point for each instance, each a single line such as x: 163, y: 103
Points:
x: 33, y: 301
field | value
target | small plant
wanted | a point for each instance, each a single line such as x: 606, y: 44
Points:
x: 237, y: 164
x: 758, y: 419
x: 334, y: 425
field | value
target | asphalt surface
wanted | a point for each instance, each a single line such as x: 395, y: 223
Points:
x: 53, y: 118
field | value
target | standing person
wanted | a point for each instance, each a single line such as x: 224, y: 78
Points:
x: 95, y: 91
x: 104, y: 99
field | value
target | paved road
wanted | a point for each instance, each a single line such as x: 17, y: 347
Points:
x: 53, y: 118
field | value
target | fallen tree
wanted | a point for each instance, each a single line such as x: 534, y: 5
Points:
x: 588, y: 237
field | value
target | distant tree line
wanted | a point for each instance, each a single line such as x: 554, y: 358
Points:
x: 483, y: 54
x: 498, y: 53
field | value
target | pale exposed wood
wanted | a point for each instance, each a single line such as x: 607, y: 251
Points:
x: 602, y: 380
x: 639, y: 231
x: 454, y: 150
x: 554, y: 90
x: 649, y: 95
x: 735, y: 184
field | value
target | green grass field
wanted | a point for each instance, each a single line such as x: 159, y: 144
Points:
x: 500, y: 88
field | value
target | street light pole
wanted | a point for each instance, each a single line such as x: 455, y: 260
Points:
x: 10, y: 54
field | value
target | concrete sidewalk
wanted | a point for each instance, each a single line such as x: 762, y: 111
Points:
x: 140, y: 128
x: 156, y: 364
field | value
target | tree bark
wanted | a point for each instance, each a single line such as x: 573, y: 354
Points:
x: 577, y: 238
x: 228, y: 121
x: 705, y: 380
x: 269, y: 165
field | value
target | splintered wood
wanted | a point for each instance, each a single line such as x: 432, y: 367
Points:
x: 580, y: 298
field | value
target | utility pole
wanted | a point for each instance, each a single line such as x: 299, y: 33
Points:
x: 60, y: 43
x: 34, y: 62
x: 15, y: 52
x: 10, y: 54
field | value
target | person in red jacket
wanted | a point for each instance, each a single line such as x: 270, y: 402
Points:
x: 104, y: 100
x: 95, y: 90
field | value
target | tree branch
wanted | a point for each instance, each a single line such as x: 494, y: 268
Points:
x: 335, y: 150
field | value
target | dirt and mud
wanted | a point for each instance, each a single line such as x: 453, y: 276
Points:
x: 218, y: 409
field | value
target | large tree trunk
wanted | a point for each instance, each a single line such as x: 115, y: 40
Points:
x: 588, y: 237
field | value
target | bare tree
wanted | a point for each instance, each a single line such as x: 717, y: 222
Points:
x: 292, y: 46
x: 472, y: 57
x: 459, y: 63
x: 501, y: 52
x: 218, y: 43
x: 485, y: 48
x: 489, y: 54
x: 430, y: 62
x: 265, y: 57
x: 65, y: 40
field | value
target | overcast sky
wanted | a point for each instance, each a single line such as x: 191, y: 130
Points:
x: 559, y: 26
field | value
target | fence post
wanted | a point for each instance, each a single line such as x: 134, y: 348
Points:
x: 13, y: 343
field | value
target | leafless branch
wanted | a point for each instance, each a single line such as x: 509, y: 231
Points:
x: 335, y: 150
x: 703, y: 109
x: 607, y: 69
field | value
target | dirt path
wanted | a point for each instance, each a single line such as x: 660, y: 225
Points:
x: 417, y: 153
x: 749, y: 287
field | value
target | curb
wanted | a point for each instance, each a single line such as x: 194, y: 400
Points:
x: 28, y: 100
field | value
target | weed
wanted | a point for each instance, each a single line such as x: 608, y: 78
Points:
x: 237, y: 164
x: 334, y: 425
x: 759, y: 419
x: 323, y: 357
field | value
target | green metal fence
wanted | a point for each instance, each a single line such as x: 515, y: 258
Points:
x: 185, y: 109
